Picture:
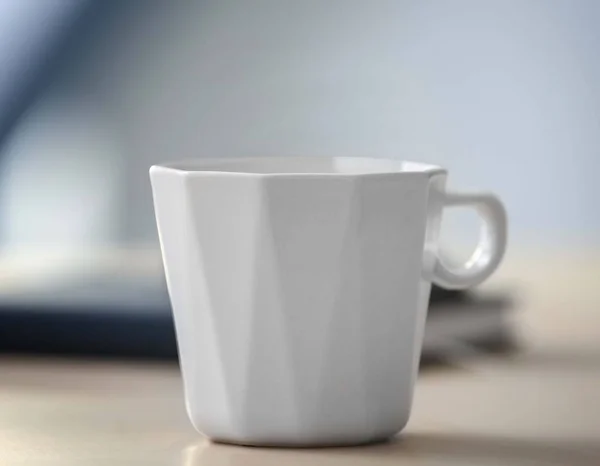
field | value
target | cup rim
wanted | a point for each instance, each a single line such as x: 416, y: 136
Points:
x: 229, y: 166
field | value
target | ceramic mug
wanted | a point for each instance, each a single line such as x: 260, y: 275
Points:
x: 300, y: 286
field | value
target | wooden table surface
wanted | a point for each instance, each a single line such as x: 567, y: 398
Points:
x: 540, y: 405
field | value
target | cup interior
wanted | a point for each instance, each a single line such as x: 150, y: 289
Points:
x: 301, y: 165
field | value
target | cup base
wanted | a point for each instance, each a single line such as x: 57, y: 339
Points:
x: 300, y: 444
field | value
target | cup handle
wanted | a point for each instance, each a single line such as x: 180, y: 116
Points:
x: 489, y: 251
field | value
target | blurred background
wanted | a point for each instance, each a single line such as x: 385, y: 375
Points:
x: 504, y: 93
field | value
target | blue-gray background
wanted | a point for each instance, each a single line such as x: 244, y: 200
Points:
x: 505, y: 93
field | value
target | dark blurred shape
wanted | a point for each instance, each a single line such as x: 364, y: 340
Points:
x: 107, y: 316
x: 132, y: 318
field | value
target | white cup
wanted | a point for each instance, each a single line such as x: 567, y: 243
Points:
x: 299, y: 289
